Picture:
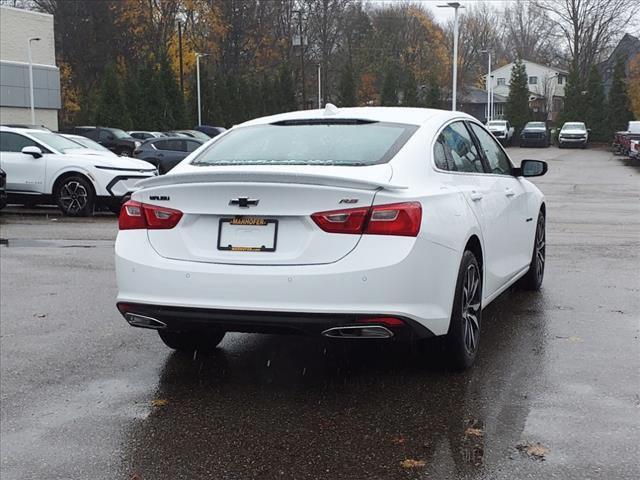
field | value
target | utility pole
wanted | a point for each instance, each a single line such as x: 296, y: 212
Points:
x: 319, y: 85
x: 489, y: 85
x: 198, y: 55
x: 304, y: 93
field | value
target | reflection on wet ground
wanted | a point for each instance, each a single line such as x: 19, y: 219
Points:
x: 289, y: 407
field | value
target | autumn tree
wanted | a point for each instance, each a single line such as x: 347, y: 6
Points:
x: 389, y: 91
x: 517, y: 109
x: 112, y: 110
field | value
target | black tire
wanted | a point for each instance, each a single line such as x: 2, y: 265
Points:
x: 125, y: 153
x: 75, y: 196
x: 190, y: 341
x: 534, y: 277
x: 466, y: 314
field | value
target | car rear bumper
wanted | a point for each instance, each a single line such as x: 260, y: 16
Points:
x: 416, y: 284
x: 572, y: 141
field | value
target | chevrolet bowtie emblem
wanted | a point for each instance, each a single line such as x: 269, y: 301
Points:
x: 244, y: 202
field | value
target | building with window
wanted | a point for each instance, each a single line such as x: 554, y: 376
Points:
x: 546, y: 87
x: 628, y: 48
x: 17, y: 26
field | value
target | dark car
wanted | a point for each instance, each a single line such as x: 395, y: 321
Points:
x: 116, y: 140
x: 193, y: 134
x: 210, y: 130
x: 3, y: 189
x: 535, y: 134
x: 166, y: 153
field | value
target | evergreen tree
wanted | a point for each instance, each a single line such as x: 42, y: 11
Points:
x: 174, y: 110
x: 410, y: 88
x: 618, y: 111
x: 347, y: 96
x: 517, y: 108
x: 111, y: 109
x: 286, y: 90
x: 433, y: 95
x: 574, y: 99
x: 389, y: 93
x: 595, y: 112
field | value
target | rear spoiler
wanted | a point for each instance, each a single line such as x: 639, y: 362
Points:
x: 266, y: 177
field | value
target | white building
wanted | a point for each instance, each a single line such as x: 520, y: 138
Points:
x: 16, y: 27
x: 546, y: 85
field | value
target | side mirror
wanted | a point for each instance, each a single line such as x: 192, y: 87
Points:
x: 34, y: 151
x: 531, y: 168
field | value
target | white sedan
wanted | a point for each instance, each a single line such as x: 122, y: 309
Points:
x: 46, y: 168
x: 365, y: 223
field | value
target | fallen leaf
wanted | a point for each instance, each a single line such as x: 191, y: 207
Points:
x: 40, y: 315
x: 160, y: 402
x: 473, y: 432
x: 398, y: 439
x: 411, y: 463
x: 535, y: 450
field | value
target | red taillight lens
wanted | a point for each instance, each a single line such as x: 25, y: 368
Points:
x: 351, y: 220
x: 394, y: 219
x: 388, y: 321
x: 135, y: 215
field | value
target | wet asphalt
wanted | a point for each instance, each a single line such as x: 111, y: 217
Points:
x: 84, y: 396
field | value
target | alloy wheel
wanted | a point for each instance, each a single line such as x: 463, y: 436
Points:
x: 471, y: 308
x: 540, y: 248
x: 73, y: 197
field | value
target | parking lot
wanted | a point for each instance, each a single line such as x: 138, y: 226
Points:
x: 553, y: 394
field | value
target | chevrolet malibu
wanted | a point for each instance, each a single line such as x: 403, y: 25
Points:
x: 367, y: 223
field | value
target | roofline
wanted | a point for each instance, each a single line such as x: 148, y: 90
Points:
x: 559, y: 70
x: 26, y: 11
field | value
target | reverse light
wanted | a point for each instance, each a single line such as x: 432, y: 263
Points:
x: 136, y: 215
x: 401, y: 219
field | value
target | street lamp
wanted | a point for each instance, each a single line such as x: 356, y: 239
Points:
x: 489, y: 85
x: 319, y: 85
x: 198, y: 55
x: 33, y: 108
x: 455, y: 6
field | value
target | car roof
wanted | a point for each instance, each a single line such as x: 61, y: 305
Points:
x: 407, y: 115
x: 4, y: 128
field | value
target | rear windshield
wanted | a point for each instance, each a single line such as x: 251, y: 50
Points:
x: 309, y: 142
x: 535, y: 125
x: 497, y: 124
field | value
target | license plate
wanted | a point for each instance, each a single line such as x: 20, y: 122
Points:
x: 248, y: 234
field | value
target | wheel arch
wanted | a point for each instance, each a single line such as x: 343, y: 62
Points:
x: 70, y: 173
x: 474, y: 245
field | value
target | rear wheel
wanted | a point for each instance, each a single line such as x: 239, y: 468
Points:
x: 75, y: 196
x: 533, y: 279
x: 464, y: 329
x: 190, y: 341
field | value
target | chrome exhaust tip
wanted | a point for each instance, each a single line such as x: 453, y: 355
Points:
x: 142, y: 321
x: 358, y: 331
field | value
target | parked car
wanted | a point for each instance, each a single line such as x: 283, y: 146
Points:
x: 116, y: 140
x: 194, y: 134
x: 46, y: 168
x: 210, y: 130
x: 144, y: 135
x: 573, y: 134
x: 88, y: 146
x: 634, y: 149
x: 3, y: 189
x: 622, y: 142
x: 331, y: 225
x: 502, y: 130
x: 535, y: 134
x: 176, y: 134
x: 166, y: 153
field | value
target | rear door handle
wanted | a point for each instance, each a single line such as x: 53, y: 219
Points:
x: 476, y: 196
x: 509, y: 193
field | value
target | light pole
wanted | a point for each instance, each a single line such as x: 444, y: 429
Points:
x: 489, y: 85
x: 319, y: 86
x: 33, y: 108
x: 302, y: 79
x: 454, y: 89
x: 198, y: 55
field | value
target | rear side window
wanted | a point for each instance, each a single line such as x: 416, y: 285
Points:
x: 344, y: 142
x: 459, y: 150
x: 12, y: 142
x: 192, y: 146
x: 497, y: 159
x: 174, y: 145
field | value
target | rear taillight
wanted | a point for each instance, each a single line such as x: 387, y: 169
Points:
x: 394, y: 219
x: 135, y: 215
